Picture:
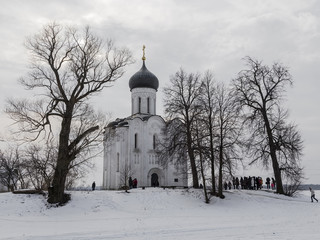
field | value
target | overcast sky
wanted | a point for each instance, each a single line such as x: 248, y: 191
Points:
x: 195, y: 35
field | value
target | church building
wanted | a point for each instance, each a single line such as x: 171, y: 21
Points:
x: 130, y: 144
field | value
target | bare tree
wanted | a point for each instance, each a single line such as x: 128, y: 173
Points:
x: 11, y: 171
x: 228, y: 134
x: 207, y: 101
x: 260, y: 90
x: 68, y: 66
x: 172, y: 146
x: 173, y: 143
x: 289, y: 147
x: 292, y: 179
x: 77, y: 173
x: 125, y: 173
x: 181, y: 104
x: 39, y: 164
x: 200, y: 153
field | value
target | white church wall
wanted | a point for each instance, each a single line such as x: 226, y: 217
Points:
x: 107, y: 165
x: 114, y: 158
x: 135, y: 147
x: 141, y: 156
x: 143, y: 106
x: 152, y: 127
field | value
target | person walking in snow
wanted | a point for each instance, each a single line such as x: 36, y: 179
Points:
x: 135, y: 183
x: 313, y: 196
x: 268, y: 182
x: 253, y: 183
x: 257, y: 183
x: 93, y: 186
x: 234, y: 183
x: 229, y: 185
x: 273, y: 183
x: 242, y: 183
x: 237, y: 183
x: 130, y: 183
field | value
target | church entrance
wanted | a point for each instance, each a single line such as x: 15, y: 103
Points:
x: 156, y: 177
x: 154, y: 180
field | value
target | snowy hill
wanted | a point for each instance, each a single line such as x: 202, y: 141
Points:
x: 155, y: 213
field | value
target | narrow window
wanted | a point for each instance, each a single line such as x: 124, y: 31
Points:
x: 139, y: 106
x: 148, y: 105
x: 154, y: 142
x: 136, y: 141
x: 132, y: 105
x: 176, y: 180
x: 118, y: 162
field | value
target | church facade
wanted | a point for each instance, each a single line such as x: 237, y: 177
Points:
x: 130, y: 144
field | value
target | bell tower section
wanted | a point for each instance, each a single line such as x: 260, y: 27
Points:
x: 143, y: 86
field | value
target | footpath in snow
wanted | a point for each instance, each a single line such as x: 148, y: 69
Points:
x: 155, y: 213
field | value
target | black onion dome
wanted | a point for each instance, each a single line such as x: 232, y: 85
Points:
x: 144, y: 79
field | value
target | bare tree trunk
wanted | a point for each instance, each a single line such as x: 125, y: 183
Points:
x: 199, y: 145
x: 208, y: 104
x: 181, y: 103
x: 56, y: 193
x: 194, y: 170
x: 277, y: 173
x: 220, y: 187
x: 273, y: 155
x: 213, y: 178
x: 207, y: 200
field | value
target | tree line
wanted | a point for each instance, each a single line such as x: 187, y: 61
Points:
x: 215, y: 126
x: 33, y: 167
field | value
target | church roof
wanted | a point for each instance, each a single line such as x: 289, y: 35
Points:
x: 144, y: 79
x: 117, y: 123
x: 124, y: 122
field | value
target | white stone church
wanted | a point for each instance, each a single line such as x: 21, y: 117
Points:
x: 130, y: 143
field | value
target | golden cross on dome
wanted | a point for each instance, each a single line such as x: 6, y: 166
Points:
x: 143, y: 57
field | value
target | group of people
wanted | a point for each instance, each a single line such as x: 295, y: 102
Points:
x: 133, y: 183
x: 251, y: 183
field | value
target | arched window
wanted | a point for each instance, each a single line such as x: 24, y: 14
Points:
x: 139, y: 104
x: 136, y: 141
x: 148, y: 105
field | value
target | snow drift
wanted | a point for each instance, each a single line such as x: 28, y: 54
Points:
x: 155, y: 213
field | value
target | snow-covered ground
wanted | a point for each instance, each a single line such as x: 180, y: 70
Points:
x: 155, y: 213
